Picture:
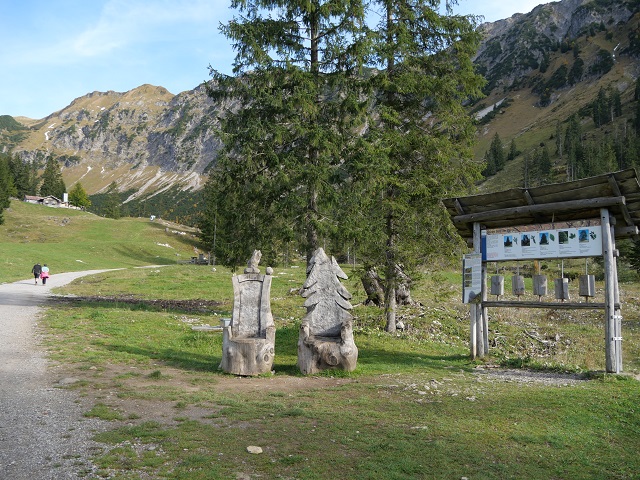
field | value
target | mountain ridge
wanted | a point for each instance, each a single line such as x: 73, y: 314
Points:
x: 149, y: 140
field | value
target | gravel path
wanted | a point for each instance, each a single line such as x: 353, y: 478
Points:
x: 43, y: 434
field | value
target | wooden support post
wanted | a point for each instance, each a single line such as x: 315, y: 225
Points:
x: 485, y: 311
x: 473, y: 308
x: 617, y: 314
x: 609, y: 293
x: 473, y: 350
x: 476, y: 341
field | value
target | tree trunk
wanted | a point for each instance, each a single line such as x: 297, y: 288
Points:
x: 403, y: 289
x: 390, y: 310
x: 390, y: 272
x: 312, y: 207
x: 390, y: 276
x: 372, y: 284
x: 312, y: 217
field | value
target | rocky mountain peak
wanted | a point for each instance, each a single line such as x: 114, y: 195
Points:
x: 148, y: 139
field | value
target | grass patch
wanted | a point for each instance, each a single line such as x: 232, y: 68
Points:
x: 104, y: 412
x: 72, y: 240
x: 416, y: 406
x: 531, y: 432
x: 416, y: 392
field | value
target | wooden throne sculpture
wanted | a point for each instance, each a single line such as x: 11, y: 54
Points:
x: 326, y: 334
x: 248, y: 340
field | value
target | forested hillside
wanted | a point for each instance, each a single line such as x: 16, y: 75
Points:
x: 562, y: 93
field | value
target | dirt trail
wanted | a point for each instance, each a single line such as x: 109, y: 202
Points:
x: 43, y: 434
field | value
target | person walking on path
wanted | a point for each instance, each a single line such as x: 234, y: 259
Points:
x: 45, y: 274
x: 37, y: 271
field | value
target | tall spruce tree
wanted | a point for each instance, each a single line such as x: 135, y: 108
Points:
x: 497, y: 152
x: 112, y: 202
x: 513, y: 150
x: 573, y: 148
x: 544, y: 166
x: 494, y: 158
x: 558, y: 136
x: 25, y: 176
x: 299, y: 155
x: 52, y: 182
x: 7, y: 188
x: 416, y: 150
x: 297, y: 78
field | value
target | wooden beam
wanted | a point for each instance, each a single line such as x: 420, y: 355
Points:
x: 625, y: 232
x: 475, y: 311
x: 601, y: 202
x: 617, y: 314
x: 549, y: 305
x: 616, y: 191
x: 458, y: 206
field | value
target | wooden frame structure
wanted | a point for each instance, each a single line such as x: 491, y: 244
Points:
x: 613, y: 198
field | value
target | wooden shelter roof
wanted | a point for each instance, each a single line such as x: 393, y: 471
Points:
x: 558, y: 202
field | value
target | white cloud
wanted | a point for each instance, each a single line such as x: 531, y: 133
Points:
x: 119, y: 25
x: 125, y: 22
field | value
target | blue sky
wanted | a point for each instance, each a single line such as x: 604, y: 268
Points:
x: 53, y: 51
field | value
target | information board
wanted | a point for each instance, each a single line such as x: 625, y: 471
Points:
x: 569, y: 240
x: 471, y: 277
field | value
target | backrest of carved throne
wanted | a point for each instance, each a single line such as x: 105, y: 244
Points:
x: 251, y: 305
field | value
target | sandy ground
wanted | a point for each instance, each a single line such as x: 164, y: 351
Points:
x: 43, y: 434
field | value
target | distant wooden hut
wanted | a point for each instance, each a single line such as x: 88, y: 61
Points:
x: 49, y: 201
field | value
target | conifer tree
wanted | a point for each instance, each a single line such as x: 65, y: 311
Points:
x: 616, y: 103
x: 600, y: 107
x: 112, y: 202
x: 573, y: 147
x: 52, y: 182
x: 495, y: 158
x: 417, y: 146
x: 489, y: 164
x: 513, y: 150
x: 297, y: 76
x: 534, y: 169
x: 300, y: 153
x: 545, y: 166
x: 576, y: 71
x: 558, y: 139
x: 25, y: 176
x: 7, y: 189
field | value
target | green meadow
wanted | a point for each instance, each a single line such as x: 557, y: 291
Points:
x: 538, y: 406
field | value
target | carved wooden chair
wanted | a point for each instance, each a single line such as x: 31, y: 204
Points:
x: 248, y: 339
x: 326, y: 334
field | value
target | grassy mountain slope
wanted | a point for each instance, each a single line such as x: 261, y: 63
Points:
x: 71, y: 240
